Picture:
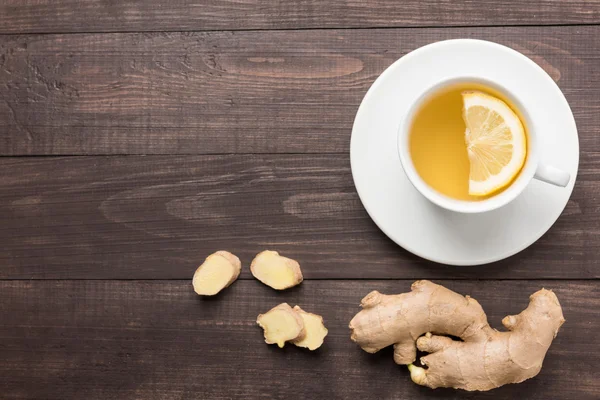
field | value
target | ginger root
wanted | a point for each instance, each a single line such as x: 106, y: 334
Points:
x: 315, y: 330
x: 218, y: 271
x: 276, y: 271
x: 281, y: 324
x: 484, y: 360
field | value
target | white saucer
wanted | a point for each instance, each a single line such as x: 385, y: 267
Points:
x: 404, y: 214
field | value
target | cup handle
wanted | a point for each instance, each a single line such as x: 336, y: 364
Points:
x: 552, y: 175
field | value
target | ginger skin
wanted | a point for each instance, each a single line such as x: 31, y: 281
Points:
x: 281, y: 324
x: 275, y: 270
x: 484, y: 360
x: 218, y: 271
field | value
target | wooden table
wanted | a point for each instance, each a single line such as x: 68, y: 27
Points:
x: 137, y: 137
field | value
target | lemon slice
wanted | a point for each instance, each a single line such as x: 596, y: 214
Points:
x: 496, y: 143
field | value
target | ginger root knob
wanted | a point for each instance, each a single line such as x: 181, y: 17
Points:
x: 483, y: 360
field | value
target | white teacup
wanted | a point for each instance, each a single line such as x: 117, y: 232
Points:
x: 532, y: 169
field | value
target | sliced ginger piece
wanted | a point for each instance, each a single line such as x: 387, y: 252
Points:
x: 218, y: 271
x: 315, y: 330
x: 281, y: 324
x: 276, y: 271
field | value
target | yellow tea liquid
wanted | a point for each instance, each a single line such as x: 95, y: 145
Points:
x: 437, y: 141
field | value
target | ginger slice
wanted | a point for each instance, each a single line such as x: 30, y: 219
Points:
x: 315, y: 330
x: 276, y: 271
x: 281, y: 324
x: 484, y: 360
x: 218, y: 271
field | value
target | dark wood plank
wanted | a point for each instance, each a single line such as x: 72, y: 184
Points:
x: 237, y: 92
x: 158, y: 217
x: 18, y: 16
x: 158, y: 340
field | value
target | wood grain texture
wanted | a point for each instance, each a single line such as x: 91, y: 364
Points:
x: 159, y: 340
x: 18, y: 16
x: 158, y: 217
x: 237, y: 92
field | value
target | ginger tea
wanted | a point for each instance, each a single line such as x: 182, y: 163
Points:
x: 437, y: 141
